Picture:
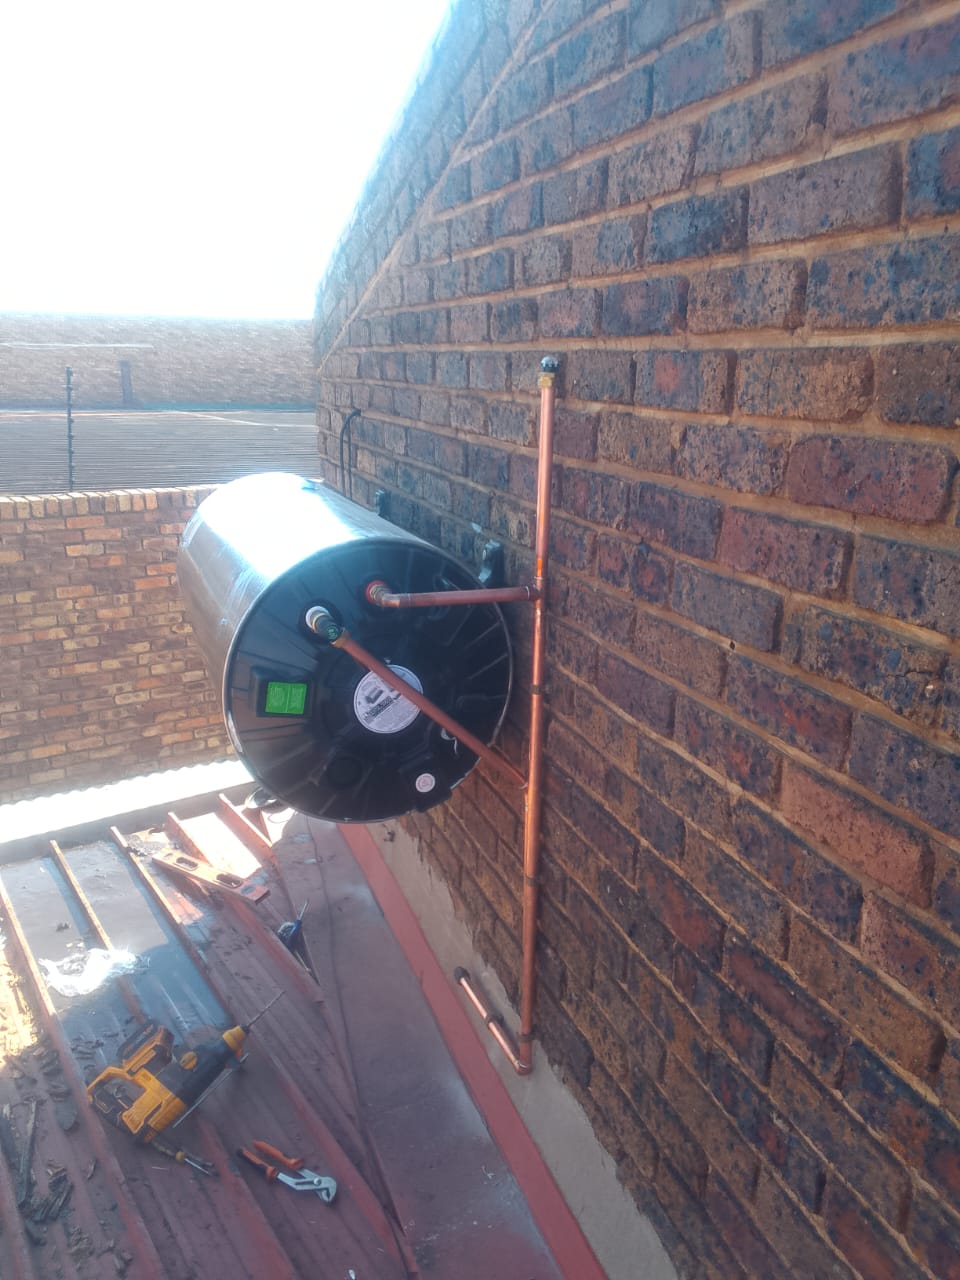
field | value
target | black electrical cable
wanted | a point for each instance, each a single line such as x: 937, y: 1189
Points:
x: 345, y: 430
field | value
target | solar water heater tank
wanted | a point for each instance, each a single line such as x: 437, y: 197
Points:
x: 316, y: 728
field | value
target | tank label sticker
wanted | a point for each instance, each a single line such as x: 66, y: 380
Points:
x: 425, y: 782
x: 380, y: 708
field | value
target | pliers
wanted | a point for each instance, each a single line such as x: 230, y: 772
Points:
x: 260, y: 1155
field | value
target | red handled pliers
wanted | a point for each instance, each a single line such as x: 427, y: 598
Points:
x: 272, y: 1164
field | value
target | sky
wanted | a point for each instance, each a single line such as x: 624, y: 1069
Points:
x: 195, y: 157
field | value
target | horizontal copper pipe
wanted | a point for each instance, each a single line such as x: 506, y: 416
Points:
x: 320, y: 621
x: 493, y: 1022
x: 379, y: 593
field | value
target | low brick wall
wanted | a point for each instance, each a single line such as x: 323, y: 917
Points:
x: 100, y: 678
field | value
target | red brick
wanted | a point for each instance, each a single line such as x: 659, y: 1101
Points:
x: 705, y: 65
x: 619, y: 1126
x: 645, y: 443
x: 631, y: 913
x: 852, y: 192
x: 725, y: 1015
x: 901, y: 481
x: 763, y: 295
x: 682, y: 521
x: 662, y: 164
x: 620, y: 1007
x: 733, y: 458
x: 687, y: 915
x: 696, y: 662
x: 651, y: 23
x: 486, y: 273
x: 692, y: 380
x: 647, y: 572
x: 905, y: 282
x: 524, y: 94
x: 570, y: 313
x: 863, y: 1239
x: 616, y: 244
x: 806, y: 557
x: 600, y: 375
x: 690, y: 791
x: 796, y: 1238
x: 903, y: 76
x: 596, y: 496
x: 841, y: 1139
x: 745, y: 613
x: 590, y: 53
x: 639, y: 694
x: 725, y: 1149
x: 687, y: 1211
x: 743, y: 898
x: 829, y: 384
x: 739, y: 1230
x: 643, y: 307
x: 933, y: 1232
x: 870, y: 1006
x: 879, y: 663
x: 908, y: 771
x: 594, y: 928
x: 793, y: 711
x: 575, y: 193
x: 909, y: 581
x: 912, y: 1128
x: 767, y: 124
x: 812, y: 1033
x: 915, y: 953
x: 858, y: 833
x: 919, y: 383
x: 600, y: 613
x: 770, y: 1133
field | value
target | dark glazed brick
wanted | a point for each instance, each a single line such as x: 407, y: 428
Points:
x: 630, y: 911
x: 806, y: 557
x: 520, y: 211
x: 933, y: 1232
x: 907, y: 282
x: 698, y: 227
x: 795, y: 1236
x: 790, y: 31
x: 470, y: 323
x: 601, y: 498
x: 600, y: 375
x: 686, y: 657
x: 933, y: 174
x: 733, y: 457
x: 906, y: 76
x: 570, y: 313
x: 863, y: 1240
x: 496, y: 167
x: 914, y: 952
x: 513, y: 321
x: 904, y: 580
x: 766, y: 295
x: 490, y: 272
x: 688, y: 916
x: 643, y: 307
x: 525, y: 93
x: 614, y: 245
x: 920, y: 383
x: 741, y: 1234
x: 656, y: 167
x: 640, y: 695
x: 847, y: 193
x: 768, y: 124
x: 575, y: 194
x: 511, y: 422
x: 651, y: 22
x: 742, y: 897
x: 691, y: 792
x: 544, y: 261
x: 588, y: 55
x: 449, y: 280
x: 681, y: 521
x: 721, y: 58
x: 454, y: 189
x: 470, y: 229
x: 615, y: 109
x: 900, y: 481
x: 547, y: 141
x: 697, y: 381
x: 642, y: 570
x: 798, y: 871
x: 829, y: 384
x: 911, y: 773
x: 489, y: 371
x: 728, y: 748
x: 575, y: 434
x: 863, y: 656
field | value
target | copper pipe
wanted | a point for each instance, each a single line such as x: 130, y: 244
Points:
x: 534, y: 793
x: 320, y: 621
x: 379, y: 593
x: 493, y: 1021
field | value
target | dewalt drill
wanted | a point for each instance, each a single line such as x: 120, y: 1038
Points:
x: 150, y: 1089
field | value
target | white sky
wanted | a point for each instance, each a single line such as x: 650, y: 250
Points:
x: 191, y: 157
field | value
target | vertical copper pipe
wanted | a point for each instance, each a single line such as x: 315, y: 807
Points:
x: 534, y: 791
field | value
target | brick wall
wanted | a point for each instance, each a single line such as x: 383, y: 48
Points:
x: 99, y: 676
x: 142, y: 362
x: 738, y: 225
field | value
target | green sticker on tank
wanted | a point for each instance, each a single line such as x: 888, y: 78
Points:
x: 285, y: 699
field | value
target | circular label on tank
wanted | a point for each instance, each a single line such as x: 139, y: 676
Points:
x: 425, y: 782
x: 380, y: 708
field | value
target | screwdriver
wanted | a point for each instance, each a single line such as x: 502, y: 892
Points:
x: 289, y: 932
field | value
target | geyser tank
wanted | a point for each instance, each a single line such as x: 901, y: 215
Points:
x: 318, y: 730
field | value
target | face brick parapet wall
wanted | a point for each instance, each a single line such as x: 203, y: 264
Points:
x: 738, y: 226
x: 101, y: 679
x: 144, y: 362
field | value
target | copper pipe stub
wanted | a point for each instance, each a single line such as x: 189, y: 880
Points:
x: 379, y: 594
x: 493, y: 1021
